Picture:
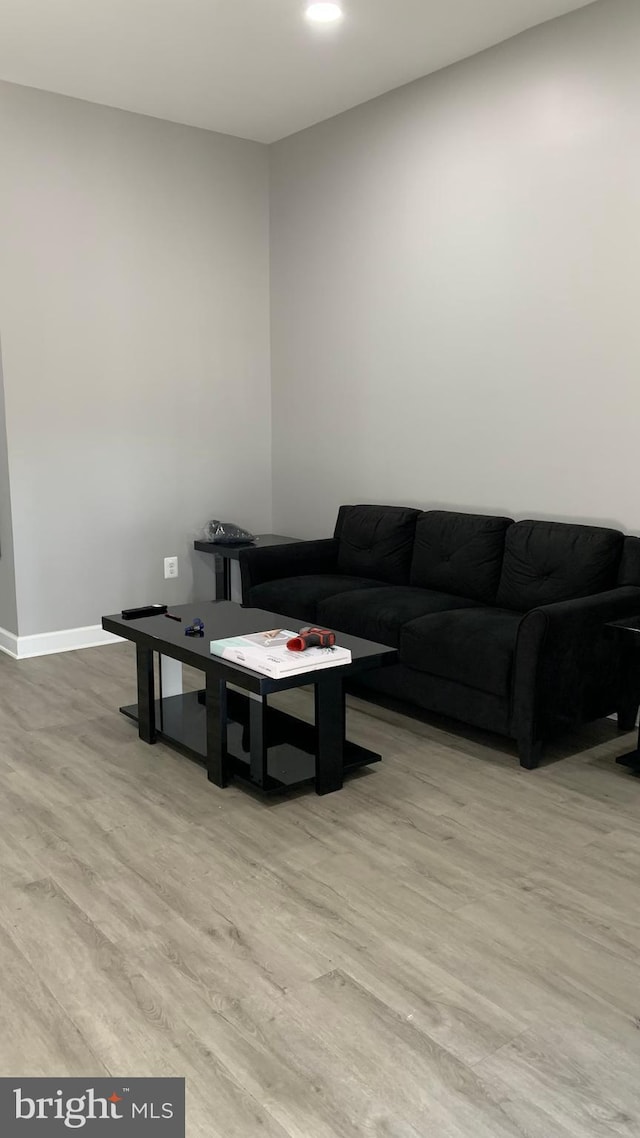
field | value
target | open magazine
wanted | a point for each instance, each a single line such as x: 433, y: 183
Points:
x: 267, y: 652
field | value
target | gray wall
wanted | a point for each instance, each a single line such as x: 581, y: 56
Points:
x: 8, y: 607
x: 455, y: 287
x: 134, y: 313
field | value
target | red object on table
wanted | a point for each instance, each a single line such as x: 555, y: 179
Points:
x: 312, y: 638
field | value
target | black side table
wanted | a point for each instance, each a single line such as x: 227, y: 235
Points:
x: 225, y: 554
x: 628, y: 633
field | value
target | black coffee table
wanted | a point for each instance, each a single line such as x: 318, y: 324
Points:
x: 235, y: 733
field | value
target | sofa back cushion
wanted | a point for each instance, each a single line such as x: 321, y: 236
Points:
x: 460, y: 554
x: 546, y: 562
x: 376, y: 541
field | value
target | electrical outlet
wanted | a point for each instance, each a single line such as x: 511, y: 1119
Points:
x: 170, y: 567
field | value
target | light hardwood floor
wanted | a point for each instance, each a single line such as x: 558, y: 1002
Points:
x: 449, y: 947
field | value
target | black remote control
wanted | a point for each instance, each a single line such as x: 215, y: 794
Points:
x: 146, y: 610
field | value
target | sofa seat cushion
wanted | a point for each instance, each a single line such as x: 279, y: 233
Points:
x: 298, y: 597
x: 459, y: 553
x: 379, y: 614
x: 548, y: 562
x: 376, y: 541
x: 472, y: 646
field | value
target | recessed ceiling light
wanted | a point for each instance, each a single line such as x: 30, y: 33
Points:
x: 324, y: 13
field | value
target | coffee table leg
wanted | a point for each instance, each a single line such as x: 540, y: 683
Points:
x: 216, y: 706
x: 330, y: 732
x: 258, y: 741
x: 146, y: 695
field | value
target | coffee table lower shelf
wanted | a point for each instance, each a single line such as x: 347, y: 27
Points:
x: 632, y: 761
x: 291, y: 743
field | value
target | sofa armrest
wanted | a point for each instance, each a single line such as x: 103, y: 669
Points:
x: 567, y: 663
x: 294, y: 560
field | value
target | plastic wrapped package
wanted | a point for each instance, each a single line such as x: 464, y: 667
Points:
x: 226, y: 533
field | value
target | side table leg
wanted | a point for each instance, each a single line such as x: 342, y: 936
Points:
x: 216, y: 705
x: 330, y: 732
x: 146, y: 695
x: 223, y: 578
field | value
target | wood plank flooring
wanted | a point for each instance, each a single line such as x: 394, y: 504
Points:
x: 449, y: 947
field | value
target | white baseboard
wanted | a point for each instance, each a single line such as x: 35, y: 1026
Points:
x: 9, y: 643
x: 46, y: 643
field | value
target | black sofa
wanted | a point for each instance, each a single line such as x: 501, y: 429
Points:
x: 500, y: 624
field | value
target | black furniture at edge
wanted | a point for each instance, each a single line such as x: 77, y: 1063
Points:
x: 497, y: 623
x: 239, y: 737
x: 627, y: 632
x: 225, y: 554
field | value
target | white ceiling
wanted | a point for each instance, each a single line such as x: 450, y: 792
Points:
x: 254, y: 68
